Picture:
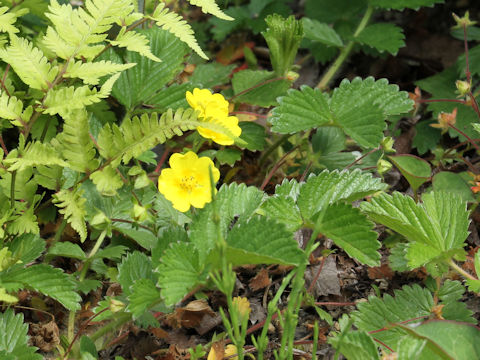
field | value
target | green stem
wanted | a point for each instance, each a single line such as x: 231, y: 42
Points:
x: 120, y: 320
x: 12, y: 189
x: 345, y: 52
x: 272, y: 148
x: 462, y: 272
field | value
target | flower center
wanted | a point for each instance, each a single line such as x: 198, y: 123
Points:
x: 188, y: 183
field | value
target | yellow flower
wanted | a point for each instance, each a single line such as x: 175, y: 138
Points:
x: 242, y: 306
x: 213, y: 108
x: 187, y: 181
x: 231, y: 350
x: 445, y: 120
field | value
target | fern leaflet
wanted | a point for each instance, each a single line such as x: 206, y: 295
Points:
x: 76, y: 29
x: 134, y: 41
x: 176, y: 25
x: 36, y: 153
x: 91, y: 73
x: 210, y: 7
x: 7, y: 19
x: 11, y: 109
x: 29, y: 63
x: 72, y: 206
x: 75, y: 142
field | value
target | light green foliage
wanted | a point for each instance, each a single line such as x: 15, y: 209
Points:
x: 176, y: 25
x: 359, y: 107
x: 283, y: 37
x: 383, y: 37
x: 72, y: 206
x: 144, y: 294
x: 7, y: 19
x: 29, y: 63
x: 134, y: 41
x: 107, y: 180
x: 356, y: 345
x: 11, y: 109
x: 211, y: 7
x: 77, y: 33
x: 14, y: 342
x: 402, y: 4
x: 134, y: 266
x: 91, y: 72
x: 436, y: 230
x: 35, y: 154
x: 321, y: 32
x: 76, y: 145
x: 65, y: 100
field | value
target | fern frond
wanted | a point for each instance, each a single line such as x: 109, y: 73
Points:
x: 66, y: 99
x: 36, y: 153
x: 25, y: 222
x: 134, y: 41
x: 91, y: 73
x: 77, y: 146
x: 211, y: 7
x: 78, y: 29
x: 29, y: 63
x: 11, y: 109
x: 7, y: 19
x: 72, y: 206
x: 49, y: 176
x: 176, y: 25
x: 137, y: 135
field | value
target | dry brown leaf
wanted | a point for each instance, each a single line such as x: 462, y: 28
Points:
x: 380, y: 272
x: 45, y: 336
x: 260, y: 281
x: 189, y: 316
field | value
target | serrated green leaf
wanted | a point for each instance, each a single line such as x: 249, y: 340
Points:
x: 134, y: 41
x: 356, y: 345
x: 179, y: 272
x: 263, y: 241
x: 397, y: 259
x: 228, y: 156
x: 27, y: 247
x: 140, y: 83
x: 361, y: 106
x: 211, y: 74
x: 453, y: 183
x: 350, y: 229
x: 329, y: 187
x: 416, y: 170
x: 91, y: 72
x: 66, y: 249
x: 35, y: 154
x: 144, y: 293
x: 48, y: 280
x: 383, y: 37
x: 234, y: 201
x: 321, y: 32
x: 402, y: 4
x: 253, y: 135
x: 133, y: 267
x: 449, y: 294
x: 328, y: 140
x: 107, y: 180
x: 258, y: 87
x: 301, y: 110
x: 284, y: 210
x: 426, y: 137
x: 435, y: 228
x: 408, y: 303
x: 72, y: 206
x: 14, y: 339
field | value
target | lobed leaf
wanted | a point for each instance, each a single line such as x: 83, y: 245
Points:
x: 144, y: 294
x: 72, y: 206
x: 210, y: 7
x: 383, y: 37
x: 134, y: 41
x: 14, y: 339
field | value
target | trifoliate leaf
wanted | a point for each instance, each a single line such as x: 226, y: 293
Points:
x: 383, y: 37
x: 284, y: 210
x: 437, y: 228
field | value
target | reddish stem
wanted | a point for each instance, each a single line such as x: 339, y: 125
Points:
x: 470, y: 140
x: 383, y: 344
x: 162, y: 161
x: 317, y: 275
x: 401, y: 322
x: 2, y: 143
x: 276, y: 167
x: 257, y: 86
x: 4, y: 78
x: 442, y: 100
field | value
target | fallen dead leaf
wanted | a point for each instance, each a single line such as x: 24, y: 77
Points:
x: 45, y: 336
x: 328, y: 282
x: 380, y: 272
x: 260, y: 281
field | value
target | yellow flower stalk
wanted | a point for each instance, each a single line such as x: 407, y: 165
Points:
x: 213, y: 108
x: 187, y: 182
x: 242, y: 306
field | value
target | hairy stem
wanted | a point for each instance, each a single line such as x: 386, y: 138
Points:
x: 345, y: 52
x: 462, y: 272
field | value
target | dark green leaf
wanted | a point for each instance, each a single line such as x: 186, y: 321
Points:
x: 321, y: 32
x: 383, y: 37
x: 253, y: 134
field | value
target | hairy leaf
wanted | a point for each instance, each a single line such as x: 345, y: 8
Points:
x: 350, y: 229
x: 144, y: 294
x: 134, y: 266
